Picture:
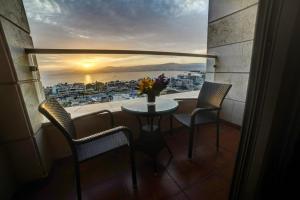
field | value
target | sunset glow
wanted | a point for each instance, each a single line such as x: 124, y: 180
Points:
x: 156, y: 25
x: 87, y: 66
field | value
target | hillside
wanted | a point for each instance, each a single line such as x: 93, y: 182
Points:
x: 158, y: 67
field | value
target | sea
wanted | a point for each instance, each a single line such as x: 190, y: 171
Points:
x: 53, y: 79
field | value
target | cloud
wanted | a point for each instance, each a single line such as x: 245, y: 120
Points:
x: 40, y: 9
x: 177, y: 8
x: 166, y: 25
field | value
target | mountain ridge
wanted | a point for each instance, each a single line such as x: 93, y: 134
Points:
x: 157, y: 67
x: 144, y: 68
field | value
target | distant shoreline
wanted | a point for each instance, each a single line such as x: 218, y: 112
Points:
x: 52, y: 79
x: 193, y: 67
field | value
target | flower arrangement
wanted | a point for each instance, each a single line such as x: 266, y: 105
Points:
x: 153, y: 87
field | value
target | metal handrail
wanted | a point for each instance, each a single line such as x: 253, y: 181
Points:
x: 111, y: 51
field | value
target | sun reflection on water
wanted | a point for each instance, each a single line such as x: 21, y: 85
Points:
x: 87, y: 78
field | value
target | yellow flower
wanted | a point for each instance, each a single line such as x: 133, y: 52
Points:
x: 145, y: 85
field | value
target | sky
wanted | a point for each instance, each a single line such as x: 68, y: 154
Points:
x: 159, y: 25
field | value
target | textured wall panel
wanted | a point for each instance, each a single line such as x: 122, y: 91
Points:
x: 13, y: 125
x: 43, y: 150
x: 19, y: 95
x: 210, y: 64
x: 17, y: 40
x: 226, y: 112
x: 31, y: 99
x: 233, y: 111
x: 210, y: 77
x: 232, y: 29
x: 14, y: 11
x: 7, y: 71
x: 238, y: 112
x: 230, y: 36
x: 232, y: 58
x: 239, y: 84
x: 221, y: 8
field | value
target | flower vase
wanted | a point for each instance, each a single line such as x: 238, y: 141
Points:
x: 151, y: 99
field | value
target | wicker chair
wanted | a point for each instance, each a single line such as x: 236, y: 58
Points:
x: 87, y: 147
x: 209, y: 104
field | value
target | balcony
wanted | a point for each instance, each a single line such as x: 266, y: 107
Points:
x: 208, y: 175
x: 180, y: 179
x: 37, y: 163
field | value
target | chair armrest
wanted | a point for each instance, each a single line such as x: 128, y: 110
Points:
x: 185, y: 99
x: 112, y: 120
x: 196, y: 111
x: 108, y: 132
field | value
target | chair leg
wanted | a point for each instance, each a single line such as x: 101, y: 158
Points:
x: 77, y: 176
x: 191, y: 142
x: 133, y: 168
x: 218, y: 135
x: 171, y: 124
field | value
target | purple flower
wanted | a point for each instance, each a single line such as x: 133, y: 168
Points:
x: 160, y: 83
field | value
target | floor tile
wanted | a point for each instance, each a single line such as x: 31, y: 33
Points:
x: 180, y: 196
x: 213, y: 187
x: 206, y: 176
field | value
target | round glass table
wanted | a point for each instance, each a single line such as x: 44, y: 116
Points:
x: 149, y: 116
x: 160, y: 107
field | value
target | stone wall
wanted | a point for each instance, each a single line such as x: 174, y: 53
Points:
x: 230, y: 36
x: 20, y: 120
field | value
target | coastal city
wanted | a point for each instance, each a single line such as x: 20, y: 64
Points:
x: 76, y: 94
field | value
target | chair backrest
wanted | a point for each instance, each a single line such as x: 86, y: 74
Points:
x: 60, y: 118
x: 212, y: 94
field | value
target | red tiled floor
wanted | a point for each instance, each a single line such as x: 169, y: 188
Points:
x: 151, y: 186
x: 213, y: 187
x: 180, y: 196
x: 206, y: 176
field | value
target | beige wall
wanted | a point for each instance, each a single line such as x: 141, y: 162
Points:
x: 20, y: 121
x: 230, y: 36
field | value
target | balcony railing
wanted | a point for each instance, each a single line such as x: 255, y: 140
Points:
x: 35, y: 51
x: 110, y: 51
